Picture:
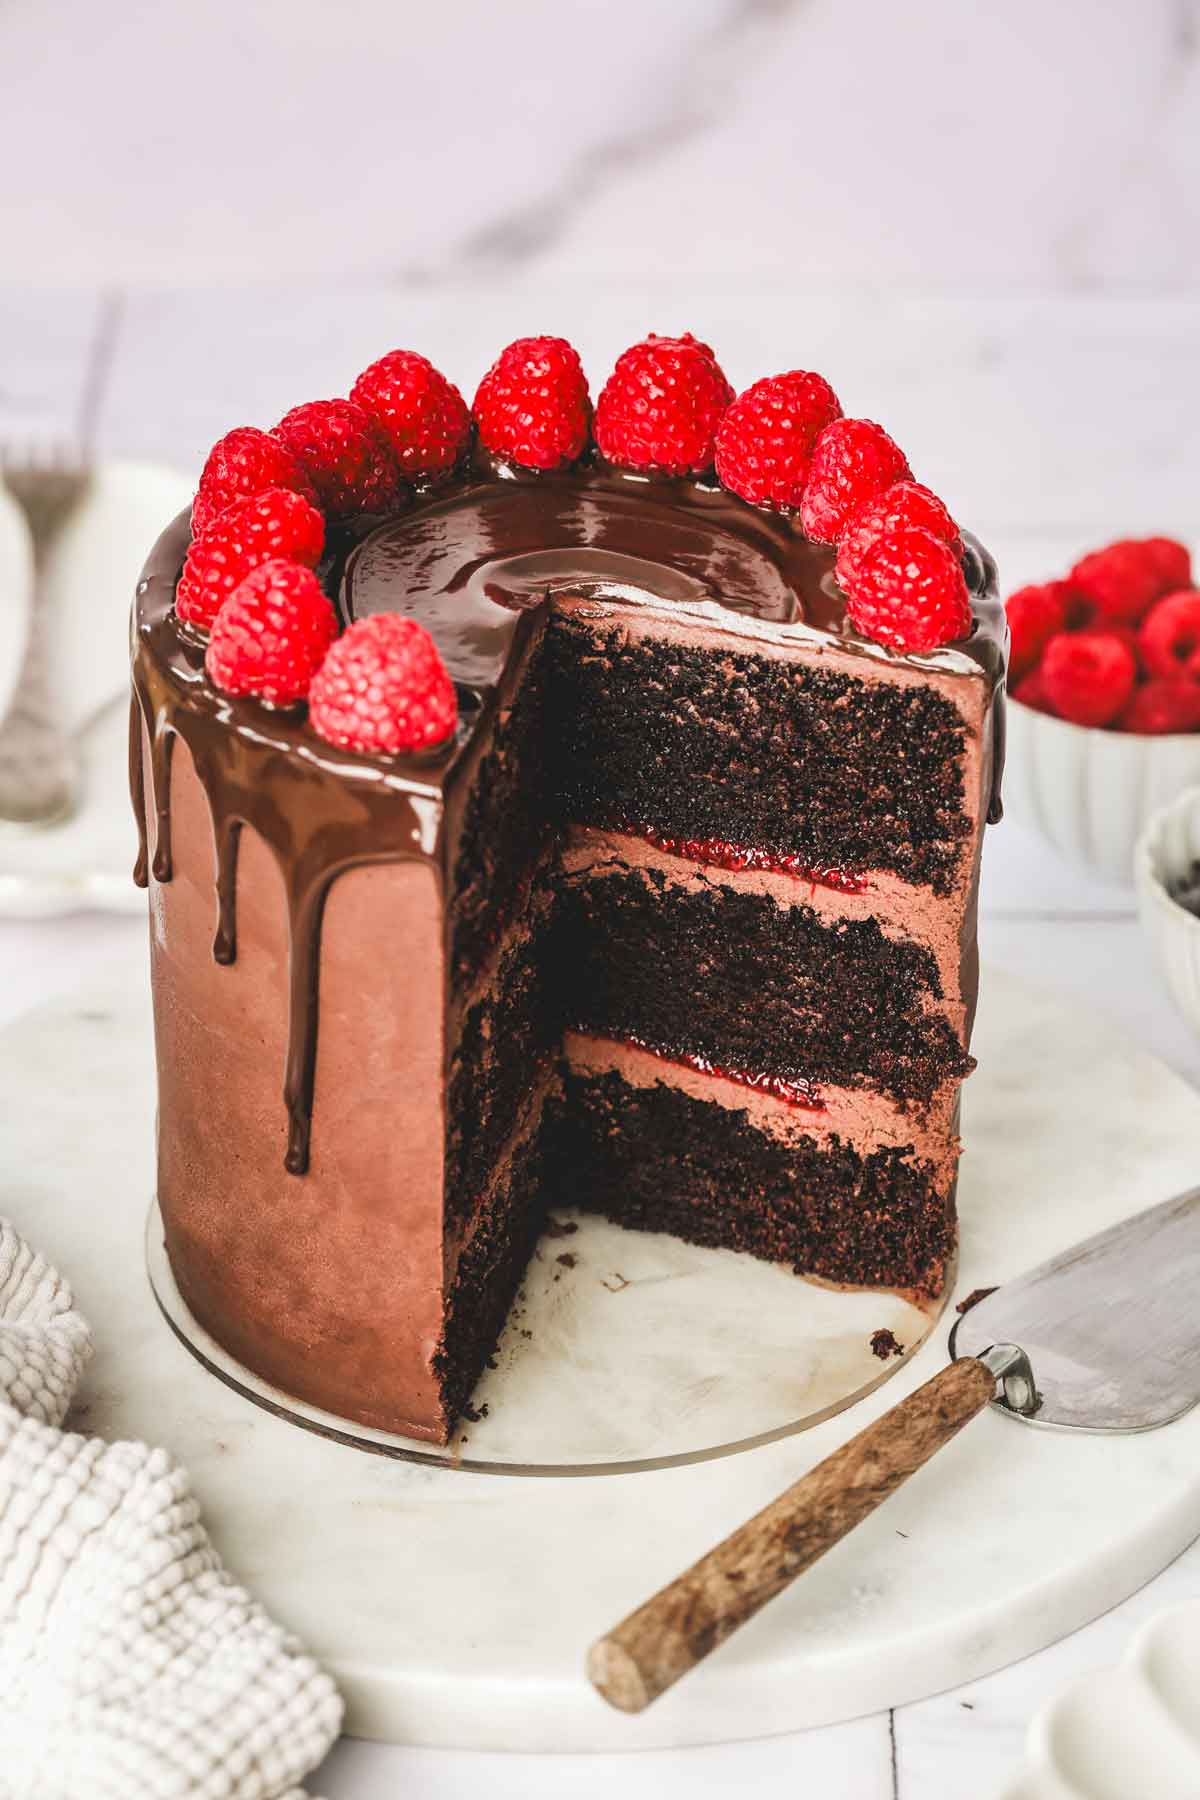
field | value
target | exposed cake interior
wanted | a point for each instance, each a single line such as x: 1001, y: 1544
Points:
x: 709, y: 979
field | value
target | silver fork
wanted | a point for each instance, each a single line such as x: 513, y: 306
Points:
x: 39, y: 766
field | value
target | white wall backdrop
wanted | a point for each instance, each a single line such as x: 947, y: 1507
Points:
x: 928, y: 143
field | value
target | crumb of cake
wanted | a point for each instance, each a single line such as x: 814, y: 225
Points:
x: 568, y: 1259
x: 973, y: 1299
x: 559, y: 1228
x: 884, y: 1343
x: 622, y: 1281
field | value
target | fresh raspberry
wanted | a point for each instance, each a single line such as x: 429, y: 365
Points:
x: 384, y: 688
x: 532, y: 405
x: 423, y: 416
x: 853, y: 460
x: 1031, y: 691
x: 244, y: 462
x: 1088, y: 676
x: 1035, y: 613
x: 271, y: 634
x: 1171, y: 562
x: 342, y: 451
x: 1124, y: 634
x: 660, y: 407
x: 1170, y: 635
x: 909, y: 591
x: 247, y: 534
x: 1166, y: 704
x: 765, y: 439
x: 1119, y: 581
x: 904, y: 503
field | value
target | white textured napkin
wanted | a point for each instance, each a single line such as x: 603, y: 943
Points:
x: 131, y: 1665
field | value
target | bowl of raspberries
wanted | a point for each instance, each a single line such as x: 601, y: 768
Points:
x: 1167, y: 871
x: 1104, y: 678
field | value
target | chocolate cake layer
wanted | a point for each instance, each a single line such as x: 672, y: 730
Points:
x: 510, y: 815
x: 758, y: 750
x: 744, y: 982
x: 488, y: 1270
x: 509, y: 1031
x: 655, y: 1159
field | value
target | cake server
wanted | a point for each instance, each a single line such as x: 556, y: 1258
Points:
x: 1054, y: 1348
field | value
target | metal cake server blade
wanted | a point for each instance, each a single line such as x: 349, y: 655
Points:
x: 1111, y: 1327
x: 1103, y: 1337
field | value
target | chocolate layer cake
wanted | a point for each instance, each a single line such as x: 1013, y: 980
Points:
x: 679, y: 926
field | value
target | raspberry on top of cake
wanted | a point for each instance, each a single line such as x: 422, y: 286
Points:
x: 568, y: 804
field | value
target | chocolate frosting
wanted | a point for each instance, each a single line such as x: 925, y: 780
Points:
x: 473, y: 560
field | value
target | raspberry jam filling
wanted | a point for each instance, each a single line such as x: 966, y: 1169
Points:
x: 717, y: 853
x: 793, y: 1091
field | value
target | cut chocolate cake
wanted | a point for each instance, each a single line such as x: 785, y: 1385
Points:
x: 621, y: 853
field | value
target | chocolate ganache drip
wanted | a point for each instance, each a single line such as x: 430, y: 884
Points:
x: 475, y: 561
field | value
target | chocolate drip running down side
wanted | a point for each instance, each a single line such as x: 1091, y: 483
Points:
x: 474, y: 561
x: 319, y: 811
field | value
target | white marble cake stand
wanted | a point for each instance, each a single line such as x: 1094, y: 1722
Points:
x: 455, y: 1608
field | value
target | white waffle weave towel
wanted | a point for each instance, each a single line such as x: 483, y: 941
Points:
x: 131, y: 1665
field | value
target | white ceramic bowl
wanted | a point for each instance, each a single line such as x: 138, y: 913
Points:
x: 1091, y: 793
x: 1167, y: 849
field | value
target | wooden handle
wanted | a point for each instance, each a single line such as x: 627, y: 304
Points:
x: 649, y: 1651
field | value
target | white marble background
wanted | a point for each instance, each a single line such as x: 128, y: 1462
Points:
x: 982, y: 222
x: 929, y: 143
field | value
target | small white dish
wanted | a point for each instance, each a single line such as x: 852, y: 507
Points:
x: 1127, y: 1731
x: 86, y: 862
x: 1092, y: 793
x: 1166, y: 852
x: 16, y: 594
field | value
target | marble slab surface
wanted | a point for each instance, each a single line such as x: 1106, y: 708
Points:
x: 454, y: 1608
